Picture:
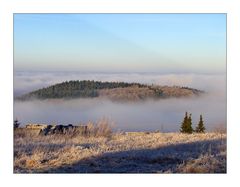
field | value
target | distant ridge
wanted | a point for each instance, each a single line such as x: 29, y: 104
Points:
x: 111, y: 90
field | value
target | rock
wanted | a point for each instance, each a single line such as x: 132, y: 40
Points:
x: 45, y: 129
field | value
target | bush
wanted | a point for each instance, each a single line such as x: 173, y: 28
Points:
x: 102, y: 128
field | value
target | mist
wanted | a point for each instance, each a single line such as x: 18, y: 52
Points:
x: 164, y: 114
x: 28, y: 81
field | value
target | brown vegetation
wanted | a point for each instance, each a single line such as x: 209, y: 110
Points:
x: 117, y: 91
x: 133, y: 93
x: 131, y: 152
x: 101, y: 128
x: 176, y: 91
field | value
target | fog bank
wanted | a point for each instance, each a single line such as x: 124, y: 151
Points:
x: 28, y: 81
x: 164, y: 114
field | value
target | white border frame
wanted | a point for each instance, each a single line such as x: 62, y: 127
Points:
x: 8, y: 7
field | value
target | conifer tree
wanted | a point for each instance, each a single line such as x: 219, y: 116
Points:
x: 189, y: 128
x: 200, y: 127
x: 186, y: 126
x: 16, y: 124
x: 184, y: 123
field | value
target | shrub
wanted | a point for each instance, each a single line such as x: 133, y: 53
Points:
x: 102, y: 128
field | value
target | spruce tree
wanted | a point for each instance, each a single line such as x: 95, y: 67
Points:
x: 186, y: 126
x: 16, y: 124
x: 184, y: 123
x: 200, y: 127
x: 189, y: 128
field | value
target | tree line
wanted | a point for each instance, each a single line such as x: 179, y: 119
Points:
x: 186, y: 126
x: 85, y: 88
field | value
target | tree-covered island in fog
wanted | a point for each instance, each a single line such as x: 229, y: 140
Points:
x: 111, y: 90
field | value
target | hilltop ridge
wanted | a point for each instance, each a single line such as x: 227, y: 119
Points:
x: 110, y: 90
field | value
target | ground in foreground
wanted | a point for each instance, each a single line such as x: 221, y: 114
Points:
x: 132, y: 152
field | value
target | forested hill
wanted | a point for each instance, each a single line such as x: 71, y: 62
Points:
x: 111, y: 90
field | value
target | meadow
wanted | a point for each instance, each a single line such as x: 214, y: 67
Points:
x: 104, y: 151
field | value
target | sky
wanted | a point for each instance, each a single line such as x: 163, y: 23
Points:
x: 159, y: 43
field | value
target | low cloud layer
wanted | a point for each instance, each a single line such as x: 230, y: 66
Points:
x: 28, y: 81
x: 165, y: 114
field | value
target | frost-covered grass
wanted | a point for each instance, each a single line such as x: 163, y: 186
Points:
x: 132, y: 152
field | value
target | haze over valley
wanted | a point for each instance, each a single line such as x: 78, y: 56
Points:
x: 164, y: 114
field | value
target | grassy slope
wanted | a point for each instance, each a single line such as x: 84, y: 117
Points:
x: 122, y: 153
x: 111, y: 90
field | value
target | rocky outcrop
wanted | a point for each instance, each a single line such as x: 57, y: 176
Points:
x: 45, y: 129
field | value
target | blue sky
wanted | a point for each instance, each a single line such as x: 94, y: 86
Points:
x: 161, y: 43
